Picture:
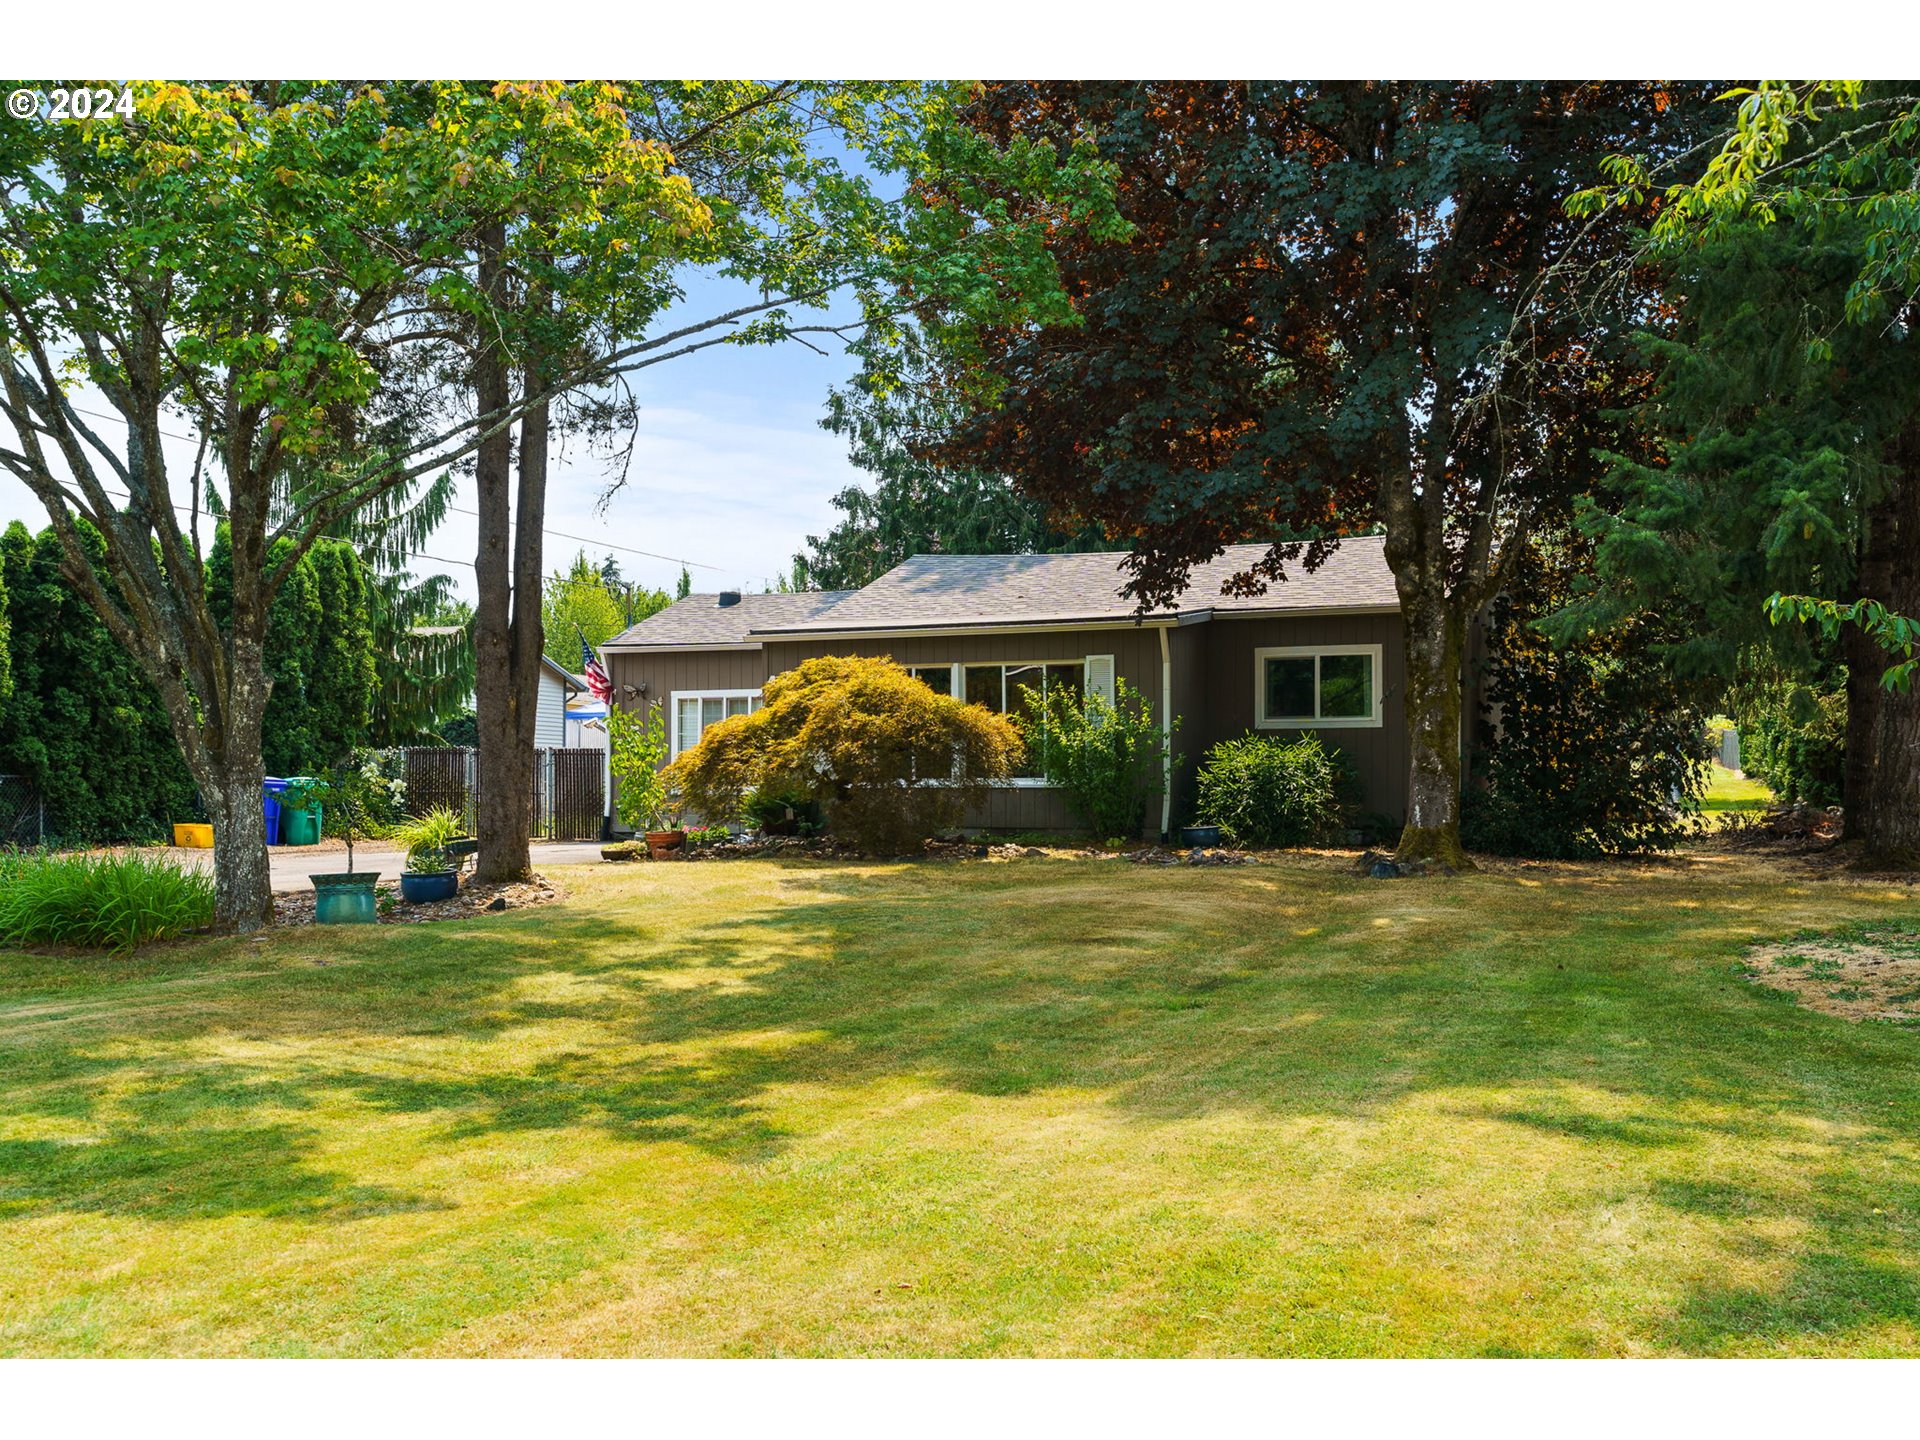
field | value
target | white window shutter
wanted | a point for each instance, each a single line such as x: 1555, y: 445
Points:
x: 1100, y: 677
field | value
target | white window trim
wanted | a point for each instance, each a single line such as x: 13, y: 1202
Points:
x: 1262, y: 721
x: 955, y: 675
x: 1016, y: 782
x: 960, y: 672
x: 673, y: 710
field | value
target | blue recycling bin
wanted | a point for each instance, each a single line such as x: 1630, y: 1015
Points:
x: 271, y: 789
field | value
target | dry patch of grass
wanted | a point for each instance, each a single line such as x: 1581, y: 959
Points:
x: 1858, y: 972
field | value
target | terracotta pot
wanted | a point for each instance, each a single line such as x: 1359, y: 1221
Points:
x: 661, y: 843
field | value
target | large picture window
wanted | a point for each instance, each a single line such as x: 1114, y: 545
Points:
x: 694, y: 710
x: 1005, y: 689
x: 1317, y: 687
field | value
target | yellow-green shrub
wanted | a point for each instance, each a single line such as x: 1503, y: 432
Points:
x: 890, y: 761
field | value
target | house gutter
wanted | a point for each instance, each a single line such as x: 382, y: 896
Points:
x: 1166, y: 737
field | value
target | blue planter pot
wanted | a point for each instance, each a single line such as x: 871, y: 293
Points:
x: 344, y: 899
x: 425, y: 888
x: 1197, y: 835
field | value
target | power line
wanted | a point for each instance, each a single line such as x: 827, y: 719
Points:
x: 457, y: 510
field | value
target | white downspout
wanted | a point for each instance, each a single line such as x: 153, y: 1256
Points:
x: 1166, y: 735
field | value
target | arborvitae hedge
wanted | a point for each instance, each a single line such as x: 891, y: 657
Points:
x: 82, y: 722
x: 85, y: 726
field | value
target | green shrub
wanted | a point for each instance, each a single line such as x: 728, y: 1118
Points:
x: 890, y: 762
x: 1599, y: 749
x: 1793, y: 737
x: 1261, y: 790
x: 1108, y: 758
x: 771, y: 809
x: 638, y: 750
x: 103, y: 902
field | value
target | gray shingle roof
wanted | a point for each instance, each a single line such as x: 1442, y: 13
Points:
x: 702, y: 620
x: 988, y: 590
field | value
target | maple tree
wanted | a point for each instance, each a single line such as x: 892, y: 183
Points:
x: 1341, y: 307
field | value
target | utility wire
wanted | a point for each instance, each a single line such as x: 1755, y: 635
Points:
x: 457, y: 510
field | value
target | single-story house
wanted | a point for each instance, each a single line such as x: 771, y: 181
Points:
x: 1321, y: 652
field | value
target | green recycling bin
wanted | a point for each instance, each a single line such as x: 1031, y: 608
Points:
x: 299, y: 814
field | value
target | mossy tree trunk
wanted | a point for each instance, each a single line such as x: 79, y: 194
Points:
x: 1435, y: 649
x: 1891, y: 826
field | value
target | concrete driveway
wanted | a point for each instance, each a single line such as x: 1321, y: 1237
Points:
x: 291, y: 865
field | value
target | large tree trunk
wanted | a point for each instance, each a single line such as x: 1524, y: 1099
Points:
x: 221, y: 747
x: 1436, y: 645
x: 505, y: 760
x: 1892, y: 831
x: 1866, y: 661
x: 242, y: 881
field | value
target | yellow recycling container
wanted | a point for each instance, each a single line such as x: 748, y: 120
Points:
x: 193, y: 837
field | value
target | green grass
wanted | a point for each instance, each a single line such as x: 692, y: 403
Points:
x: 1730, y: 793
x: 1041, y: 1107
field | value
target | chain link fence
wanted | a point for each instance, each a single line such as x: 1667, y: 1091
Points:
x: 23, y: 813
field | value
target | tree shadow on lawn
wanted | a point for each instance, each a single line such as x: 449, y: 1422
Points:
x: 1168, y: 996
x: 1849, y: 1272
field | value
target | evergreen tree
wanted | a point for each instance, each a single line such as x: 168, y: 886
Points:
x: 82, y: 721
x: 1781, y: 430
x: 917, y: 505
x: 319, y: 655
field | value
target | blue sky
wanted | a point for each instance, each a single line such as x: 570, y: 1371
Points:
x: 730, y: 469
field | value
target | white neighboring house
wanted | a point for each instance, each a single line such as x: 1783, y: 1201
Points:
x: 586, y: 724
x: 557, y: 687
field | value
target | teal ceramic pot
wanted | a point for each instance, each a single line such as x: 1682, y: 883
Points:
x: 344, y: 899
x: 424, y: 887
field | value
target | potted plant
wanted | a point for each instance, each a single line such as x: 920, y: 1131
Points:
x: 637, y: 751
x: 664, y: 833
x: 342, y: 898
x: 432, y: 873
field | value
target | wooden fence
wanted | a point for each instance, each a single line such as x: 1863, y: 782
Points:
x: 569, y: 788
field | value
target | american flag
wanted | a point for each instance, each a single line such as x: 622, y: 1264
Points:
x: 595, y: 673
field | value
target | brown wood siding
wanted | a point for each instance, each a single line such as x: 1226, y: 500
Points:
x: 1379, y: 756
x: 656, y: 677
x: 1188, y: 646
x: 1212, y: 678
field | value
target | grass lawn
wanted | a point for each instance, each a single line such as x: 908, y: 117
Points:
x: 1042, y: 1107
x: 1731, y: 793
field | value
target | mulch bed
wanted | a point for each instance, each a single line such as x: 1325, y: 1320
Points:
x: 297, y: 908
x: 824, y: 847
x: 1796, y: 827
